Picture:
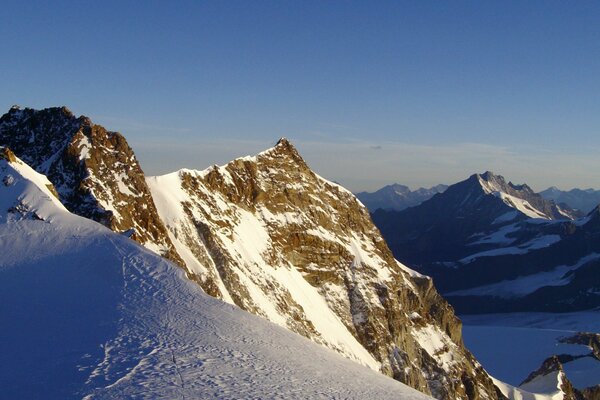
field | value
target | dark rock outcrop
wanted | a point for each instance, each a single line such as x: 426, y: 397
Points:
x: 94, y: 171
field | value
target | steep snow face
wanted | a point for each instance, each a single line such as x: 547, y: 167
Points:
x: 521, y: 198
x: 95, y: 172
x: 87, y: 313
x: 269, y: 235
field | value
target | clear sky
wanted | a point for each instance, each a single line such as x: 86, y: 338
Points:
x: 371, y: 92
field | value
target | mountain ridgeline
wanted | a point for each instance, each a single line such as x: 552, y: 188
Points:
x: 94, y: 171
x: 584, y: 200
x: 492, y: 246
x: 269, y: 235
x: 398, y: 197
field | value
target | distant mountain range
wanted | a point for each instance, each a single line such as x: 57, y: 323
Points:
x: 581, y: 199
x: 397, y: 197
x: 493, y: 246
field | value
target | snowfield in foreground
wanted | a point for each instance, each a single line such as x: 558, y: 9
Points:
x: 87, y: 313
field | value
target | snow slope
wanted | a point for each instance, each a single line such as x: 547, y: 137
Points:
x: 87, y: 313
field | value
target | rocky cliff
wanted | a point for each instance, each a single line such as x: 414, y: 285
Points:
x: 95, y: 172
x: 269, y: 235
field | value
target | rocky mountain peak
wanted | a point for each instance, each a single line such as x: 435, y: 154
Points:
x: 396, y: 188
x: 94, y: 171
x: 284, y: 150
x: 491, y: 182
x: 269, y: 235
x: 490, y: 176
x: 397, y: 197
x: 520, y: 197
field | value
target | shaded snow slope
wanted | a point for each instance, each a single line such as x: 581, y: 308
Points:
x: 87, y: 313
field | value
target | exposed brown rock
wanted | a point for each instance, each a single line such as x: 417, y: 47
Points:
x: 94, y: 171
x: 317, y: 228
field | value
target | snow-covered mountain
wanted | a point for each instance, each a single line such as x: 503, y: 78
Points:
x: 269, y: 235
x: 580, y: 199
x: 397, y: 197
x: 94, y: 171
x: 492, y: 247
x: 88, y: 313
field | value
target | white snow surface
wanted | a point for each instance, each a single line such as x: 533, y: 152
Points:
x: 25, y: 188
x: 549, y: 384
x: 515, y: 393
x: 87, y: 313
x: 512, y: 201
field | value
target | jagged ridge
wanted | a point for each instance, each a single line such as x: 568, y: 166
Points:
x: 95, y: 172
x: 271, y: 236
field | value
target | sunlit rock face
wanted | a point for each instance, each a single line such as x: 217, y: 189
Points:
x: 269, y: 235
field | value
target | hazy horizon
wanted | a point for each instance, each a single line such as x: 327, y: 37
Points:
x: 370, y: 93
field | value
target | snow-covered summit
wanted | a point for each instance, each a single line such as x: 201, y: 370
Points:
x: 520, y: 197
x: 550, y: 380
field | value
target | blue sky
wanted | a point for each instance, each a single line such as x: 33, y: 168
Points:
x: 370, y: 92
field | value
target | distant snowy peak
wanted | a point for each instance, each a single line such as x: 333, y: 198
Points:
x: 483, y: 231
x: 397, y: 197
x: 268, y: 234
x: 520, y: 197
x: 95, y: 172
